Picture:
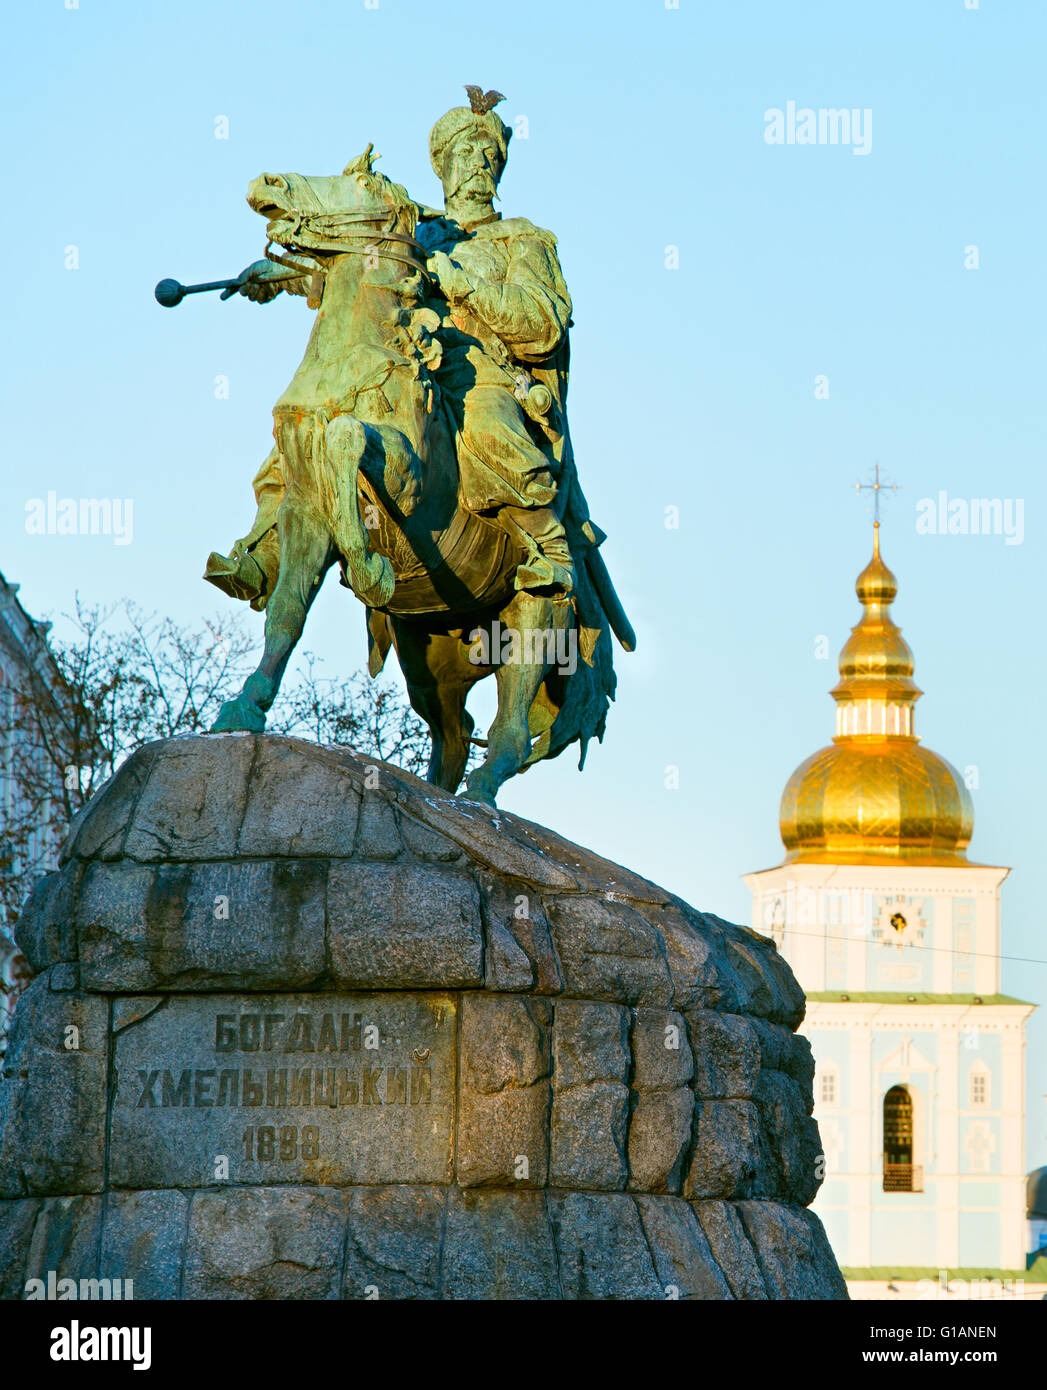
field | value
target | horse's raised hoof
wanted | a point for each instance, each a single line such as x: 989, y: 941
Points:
x: 239, y: 716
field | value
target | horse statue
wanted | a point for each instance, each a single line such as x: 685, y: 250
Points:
x: 372, y: 485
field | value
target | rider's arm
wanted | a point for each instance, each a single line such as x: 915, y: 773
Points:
x: 530, y: 309
x: 263, y: 280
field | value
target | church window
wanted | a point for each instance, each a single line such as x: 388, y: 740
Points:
x: 900, y: 1174
x: 828, y: 1087
x: 979, y: 1086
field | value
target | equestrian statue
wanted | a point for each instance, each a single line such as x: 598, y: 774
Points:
x: 422, y: 448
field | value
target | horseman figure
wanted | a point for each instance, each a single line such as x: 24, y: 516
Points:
x: 476, y: 505
x: 504, y: 337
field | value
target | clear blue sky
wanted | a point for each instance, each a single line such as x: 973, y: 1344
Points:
x: 692, y: 388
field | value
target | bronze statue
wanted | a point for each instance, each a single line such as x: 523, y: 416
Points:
x: 423, y: 447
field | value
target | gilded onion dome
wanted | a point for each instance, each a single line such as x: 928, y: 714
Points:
x: 875, y: 794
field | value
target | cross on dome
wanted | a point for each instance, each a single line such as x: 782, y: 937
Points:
x: 877, y: 486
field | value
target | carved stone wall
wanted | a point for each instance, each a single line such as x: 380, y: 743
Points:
x: 306, y: 1027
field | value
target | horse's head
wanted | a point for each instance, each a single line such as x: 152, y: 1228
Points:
x: 306, y: 212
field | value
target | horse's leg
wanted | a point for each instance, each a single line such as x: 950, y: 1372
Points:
x: 342, y: 449
x: 438, y: 681
x: 537, y: 619
x: 306, y: 554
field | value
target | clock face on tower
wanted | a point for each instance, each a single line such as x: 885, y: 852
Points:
x: 898, y: 922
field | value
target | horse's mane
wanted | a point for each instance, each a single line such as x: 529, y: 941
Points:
x: 394, y: 193
x: 382, y: 187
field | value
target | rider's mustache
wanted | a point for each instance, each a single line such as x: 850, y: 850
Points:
x: 468, y: 176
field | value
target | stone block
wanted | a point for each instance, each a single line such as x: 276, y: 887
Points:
x: 143, y: 1240
x: 194, y: 799
x: 791, y: 1137
x: 17, y: 1219
x: 770, y: 988
x: 696, y: 946
x: 493, y: 839
x: 377, y: 833
x: 509, y: 966
x: 590, y: 1096
x: 504, y: 1102
x: 423, y: 842
x: 200, y: 926
x: 772, y: 1038
x: 793, y: 1252
x: 602, y: 1249
x: 498, y: 1246
x: 592, y: 875
x: 99, y: 828
x: 790, y: 1007
x: 509, y: 969
x: 660, y: 1134
x: 798, y: 1062
x: 53, y: 1094
x: 661, y: 1051
x: 607, y: 950
x: 404, y: 926
x: 301, y: 800
x: 682, y: 1258
x: 515, y: 922
x: 731, y: 1249
x: 589, y: 1124
x: 112, y: 913
x: 726, y: 1161
x: 592, y: 1043
x: 394, y: 1241
x: 726, y: 1051
x: 65, y: 1241
x: 264, y: 1243
x: 45, y: 931
x: 695, y: 956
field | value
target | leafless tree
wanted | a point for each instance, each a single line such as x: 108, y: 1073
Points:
x: 361, y: 713
x: 123, y: 677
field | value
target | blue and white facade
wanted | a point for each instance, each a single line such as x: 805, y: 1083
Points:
x: 909, y: 1031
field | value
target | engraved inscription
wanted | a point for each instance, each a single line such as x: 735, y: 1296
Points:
x: 353, y: 1089
x: 281, y: 1087
x: 261, y: 1143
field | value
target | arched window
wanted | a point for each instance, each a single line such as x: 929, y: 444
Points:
x: 899, y: 1172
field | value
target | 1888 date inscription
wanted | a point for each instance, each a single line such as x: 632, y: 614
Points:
x: 332, y: 1089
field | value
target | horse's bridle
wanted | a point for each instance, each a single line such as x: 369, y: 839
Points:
x: 334, y: 242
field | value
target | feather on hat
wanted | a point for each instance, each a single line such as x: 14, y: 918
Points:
x: 480, y: 114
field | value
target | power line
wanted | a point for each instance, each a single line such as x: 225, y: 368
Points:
x: 912, y: 946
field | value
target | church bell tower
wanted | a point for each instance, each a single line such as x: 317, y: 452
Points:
x: 894, y: 934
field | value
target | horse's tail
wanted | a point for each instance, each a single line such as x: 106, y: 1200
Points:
x: 581, y: 695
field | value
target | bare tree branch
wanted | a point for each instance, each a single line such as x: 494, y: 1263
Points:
x: 124, y: 677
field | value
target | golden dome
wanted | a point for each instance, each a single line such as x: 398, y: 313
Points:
x: 875, y: 794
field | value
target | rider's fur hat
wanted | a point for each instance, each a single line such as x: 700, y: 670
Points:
x: 479, y: 113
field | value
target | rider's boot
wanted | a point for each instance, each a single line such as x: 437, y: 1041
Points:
x: 249, y: 575
x: 548, y: 564
x: 239, y: 576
